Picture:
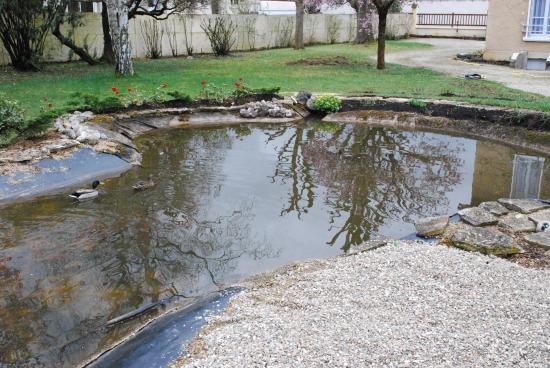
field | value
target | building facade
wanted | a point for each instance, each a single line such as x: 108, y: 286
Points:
x: 515, y: 26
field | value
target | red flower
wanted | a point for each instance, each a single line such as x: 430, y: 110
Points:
x: 203, y: 82
x: 241, y: 78
x: 237, y: 84
x: 113, y: 89
x: 117, y: 93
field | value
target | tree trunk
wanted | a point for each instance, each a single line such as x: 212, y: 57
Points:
x: 382, y: 19
x: 117, y: 11
x: 108, y: 54
x: 361, y: 36
x: 83, y: 54
x: 299, y: 34
x: 365, y: 22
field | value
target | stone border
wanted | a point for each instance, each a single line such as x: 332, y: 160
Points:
x: 529, y: 139
x: 505, y: 116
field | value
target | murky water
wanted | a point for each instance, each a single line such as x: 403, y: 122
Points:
x: 228, y: 203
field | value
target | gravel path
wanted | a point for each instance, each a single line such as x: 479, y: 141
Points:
x: 441, y: 58
x: 408, y: 304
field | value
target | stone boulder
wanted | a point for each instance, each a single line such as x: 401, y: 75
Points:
x: 73, y: 127
x: 431, y: 226
x: 483, y: 240
x: 477, y: 217
x: 375, y: 243
x: 310, y: 104
x: 265, y: 109
x: 524, y: 206
x: 541, y: 240
x: 302, y: 97
x: 494, y: 208
x: 516, y: 223
x: 541, y: 220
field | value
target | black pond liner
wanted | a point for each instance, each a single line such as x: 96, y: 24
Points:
x: 161, y: 342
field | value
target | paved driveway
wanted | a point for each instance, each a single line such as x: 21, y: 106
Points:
x: 441, y: 58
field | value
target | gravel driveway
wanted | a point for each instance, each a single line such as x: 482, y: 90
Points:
x: 408, y: 304
x: 441, y: 58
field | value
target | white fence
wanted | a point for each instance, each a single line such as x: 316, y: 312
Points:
x: 253, y: 32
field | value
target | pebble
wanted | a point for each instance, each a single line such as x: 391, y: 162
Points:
x: 405, y: 304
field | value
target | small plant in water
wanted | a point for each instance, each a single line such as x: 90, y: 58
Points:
x: 327, y: 104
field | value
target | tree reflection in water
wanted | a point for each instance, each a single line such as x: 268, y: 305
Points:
x: 67, y: 268
x: 368, y: 175
x: 79, y: 265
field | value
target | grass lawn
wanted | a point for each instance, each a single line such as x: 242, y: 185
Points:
x: 268, y: 68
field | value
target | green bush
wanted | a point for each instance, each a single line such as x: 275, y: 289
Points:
x: 418, y: 103
x: 13, y: 124
x: 87, y: 101
x: 327, y: 104
x: 245, y: 91
x: 12, y: 120
x: 179, y: 96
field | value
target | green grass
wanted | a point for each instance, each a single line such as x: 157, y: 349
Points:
x: 268, y: 68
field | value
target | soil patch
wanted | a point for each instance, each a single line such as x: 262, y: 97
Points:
x: 329, y: 60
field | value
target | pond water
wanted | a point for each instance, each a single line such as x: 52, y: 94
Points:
x: 229, y: 202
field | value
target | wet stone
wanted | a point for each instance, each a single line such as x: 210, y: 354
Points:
x: 477, y: 217
x: 369, y: 245
x: 523, y: 205
x: 541, y: 220
x: 483, y: 240
x: 494, y: 208
x: 517, y: 223
x: 431, y: 226
x: 539, y: 239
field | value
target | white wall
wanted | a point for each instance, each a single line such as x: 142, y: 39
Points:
x: 254, y: 32
x: 449, y: 6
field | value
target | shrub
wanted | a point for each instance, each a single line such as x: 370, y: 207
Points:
x: 327, y: 104
x: 13, y: 124
x: 178, y: 96
x: 11, y: 120
x: 152, y: 35
x: 88, y: 101
x: 220, y: 32
x: 418, y: 103
x: 244, y: 90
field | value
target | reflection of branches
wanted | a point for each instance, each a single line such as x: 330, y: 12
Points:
x: 292, y: 167
x: 370, y: 175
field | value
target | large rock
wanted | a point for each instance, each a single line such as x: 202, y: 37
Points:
x: 517, y: 223
x: 541, y: 220
x: 523, y: 205
x: 265, y: 108
x: 302, y: 97
x: 310, y: 104
x: 431, y: 226
x: 483, y: 240
x: 539, y: 239
x: 477, y: 217
x: 494, y: 208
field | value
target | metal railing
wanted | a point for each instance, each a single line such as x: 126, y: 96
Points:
x: 452, y: 20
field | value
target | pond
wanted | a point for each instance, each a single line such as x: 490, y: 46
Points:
x: 229, y: 203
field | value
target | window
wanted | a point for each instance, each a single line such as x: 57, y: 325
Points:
x: 539, y: 19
